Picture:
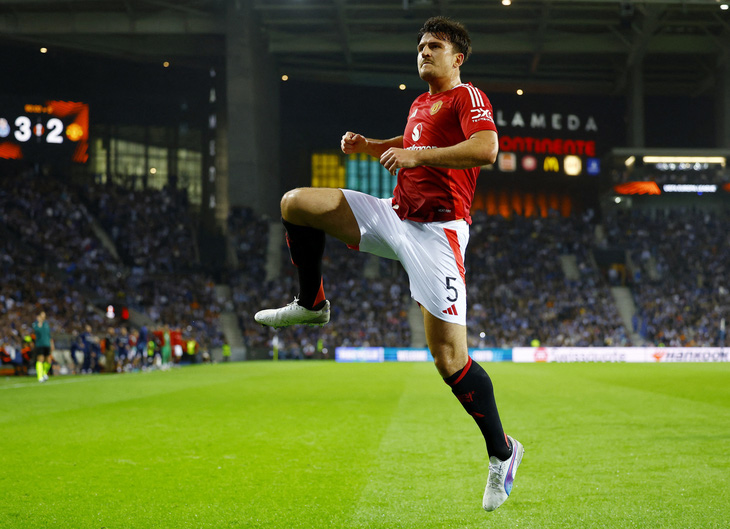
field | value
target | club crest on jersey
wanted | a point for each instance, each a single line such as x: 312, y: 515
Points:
x: 436, y: 107
x: 416, y: 134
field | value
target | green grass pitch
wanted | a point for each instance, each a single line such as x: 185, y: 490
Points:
x: 319, y: 444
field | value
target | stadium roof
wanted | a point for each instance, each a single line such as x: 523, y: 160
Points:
x: 539, y: 46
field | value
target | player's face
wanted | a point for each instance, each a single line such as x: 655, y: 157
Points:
x: 436, y: 58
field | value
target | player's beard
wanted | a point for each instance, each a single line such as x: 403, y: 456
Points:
x: 428, y: 74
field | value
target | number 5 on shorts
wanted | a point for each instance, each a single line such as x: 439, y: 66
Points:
x: 453, y: 288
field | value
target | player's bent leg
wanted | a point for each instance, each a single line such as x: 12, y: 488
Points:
x: 323, y: 209
x: 308, y: 214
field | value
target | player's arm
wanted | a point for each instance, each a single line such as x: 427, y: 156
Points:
x: 353, y: 143
x: 479, y: 149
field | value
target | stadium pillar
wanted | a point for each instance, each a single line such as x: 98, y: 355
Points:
x: 635, y: 122
x: 252, y: 128
x: 214, y: 193
x: 722, y: 102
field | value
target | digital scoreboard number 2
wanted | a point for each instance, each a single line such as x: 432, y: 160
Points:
x: 56, y: 130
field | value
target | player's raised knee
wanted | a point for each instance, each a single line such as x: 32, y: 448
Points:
x: 291, y: 203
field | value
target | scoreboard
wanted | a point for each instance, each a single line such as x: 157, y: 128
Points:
x: 44, y: 131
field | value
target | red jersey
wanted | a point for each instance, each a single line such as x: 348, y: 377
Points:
x: 429, y: 194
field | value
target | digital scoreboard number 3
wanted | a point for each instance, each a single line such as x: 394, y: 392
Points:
x: 55, y: 130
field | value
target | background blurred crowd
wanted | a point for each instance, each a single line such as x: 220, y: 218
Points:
x: 680, y: 284
x: 74, y: 250
x: 518, y: 290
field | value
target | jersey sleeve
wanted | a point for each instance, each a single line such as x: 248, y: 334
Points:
x: 475, y: 110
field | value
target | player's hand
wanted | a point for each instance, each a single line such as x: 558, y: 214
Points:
x: 353, y: 143
x: 395, y: 158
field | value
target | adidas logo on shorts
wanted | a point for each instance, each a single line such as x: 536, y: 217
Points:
x: 451, y: 310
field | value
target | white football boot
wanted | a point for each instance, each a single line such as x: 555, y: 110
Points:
x: 501, y: 477
x: 293, y: 314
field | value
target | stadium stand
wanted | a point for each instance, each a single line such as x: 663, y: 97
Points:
x: 679, y: 259
x: 152, y: 228
x: 154, y: 233
x: 55, y: 229
x: 520, y: 291
x: 53, y: 258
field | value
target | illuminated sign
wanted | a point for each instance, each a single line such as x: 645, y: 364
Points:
x: 572, y: 165
x: 683, y: 162
x: 55, y: 129
x: 547, y: 145
x: 529, y: 163
x: 638, y: 188
x: 507, y: 162
x: 358, y: 172
x: 537, y: 128
x: 593, y: 167
x: 359, y: 354
x: 539, y: 120
x: 689, y: 188
x: 652, y: 188
x: 551, y: 164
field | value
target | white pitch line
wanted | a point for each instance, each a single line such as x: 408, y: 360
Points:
x: 37, y: 385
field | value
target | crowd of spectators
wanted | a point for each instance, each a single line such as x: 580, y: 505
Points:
x: 154, y: 233
x: 680, y: 282
x: 48, y: 255
x: 56, y: 230
x: 53, y: 259
x: 151, y: 228
x: 249, y: 234
x: 185, y: 301
x: 517, y: 290
x: 26, y: 290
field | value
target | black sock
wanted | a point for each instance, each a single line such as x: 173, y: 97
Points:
x: 306, y: 248
x: 473, y: 387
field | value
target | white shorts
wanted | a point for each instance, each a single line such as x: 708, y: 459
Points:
x: 432, y: 253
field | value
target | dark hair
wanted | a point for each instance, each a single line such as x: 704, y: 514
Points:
x: 450, y: 30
